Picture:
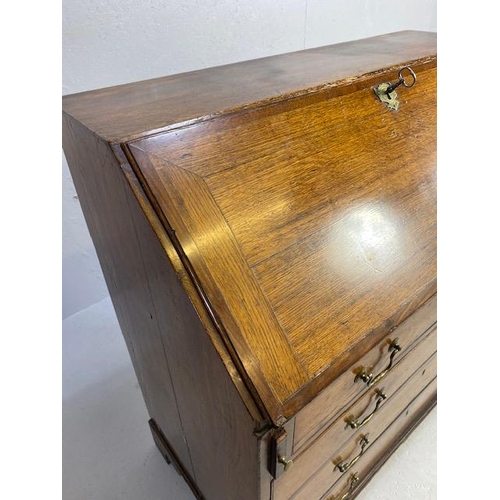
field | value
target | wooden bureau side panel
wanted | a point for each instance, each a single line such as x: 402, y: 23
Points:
x: 187, y: 389
x: 190, y: 286
x: 108, y: 206
x: 217, y: 426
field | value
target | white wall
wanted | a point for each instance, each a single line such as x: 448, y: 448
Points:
x: 108, y: 42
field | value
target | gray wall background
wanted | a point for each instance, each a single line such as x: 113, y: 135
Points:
x: 110, y: 42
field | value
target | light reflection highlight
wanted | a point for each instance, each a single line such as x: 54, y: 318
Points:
x: 367, y: 240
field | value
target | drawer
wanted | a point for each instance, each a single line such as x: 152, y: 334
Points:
x: 382, y: 448
x: 312, y: 459
x: 328, y: 474
x: 334, y: 400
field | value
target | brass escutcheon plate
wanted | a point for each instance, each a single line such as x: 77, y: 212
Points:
x: 390, y: 100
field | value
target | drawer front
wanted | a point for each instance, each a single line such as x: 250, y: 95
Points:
x: 317, y: 415
x: 330, y: 443
x: 383, y: 446
x: 328, y: 475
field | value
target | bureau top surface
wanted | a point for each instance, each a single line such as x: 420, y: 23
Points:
x: 127, y: 111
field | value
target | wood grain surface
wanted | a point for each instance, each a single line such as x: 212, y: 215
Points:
x: 403, y: 401
x: 309, y: 225
x: 340, y: 439
x: 340, y: 394
x: 111, y: 212
x: 187, y: 388
x: 387, y: 442
x: 126, y: 111
x: 263, y: 228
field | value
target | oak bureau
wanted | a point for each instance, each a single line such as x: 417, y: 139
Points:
x: 267, y: 231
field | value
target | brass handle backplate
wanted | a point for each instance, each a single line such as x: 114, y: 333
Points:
x: 357, y: 424
x: 368, y: 378
x: 280, y: 453
x: 352, y: 485
x: 345, y: 466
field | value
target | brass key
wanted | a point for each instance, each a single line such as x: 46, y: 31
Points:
x: 402, y: 80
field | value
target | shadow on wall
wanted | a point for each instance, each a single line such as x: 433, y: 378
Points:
x: 82, y: 281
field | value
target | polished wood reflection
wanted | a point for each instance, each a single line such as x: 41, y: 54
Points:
x: 267, y: 229
x: 315, y: 220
